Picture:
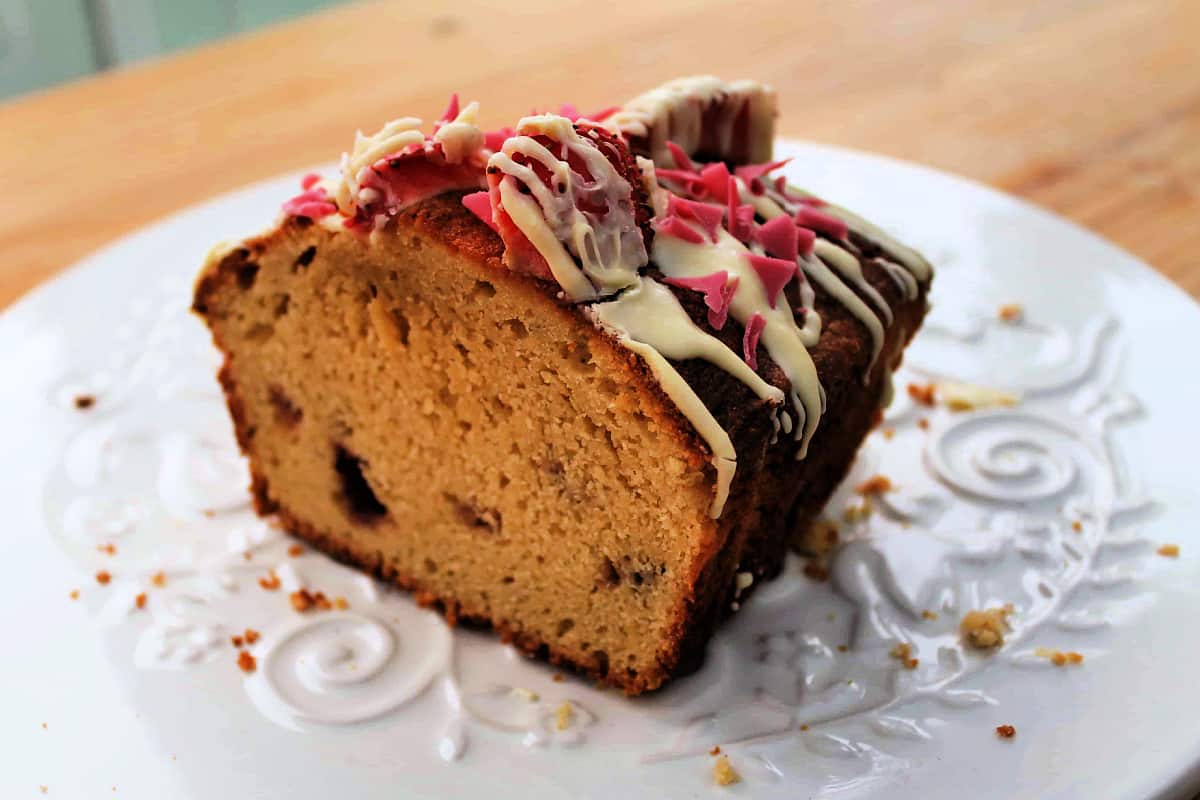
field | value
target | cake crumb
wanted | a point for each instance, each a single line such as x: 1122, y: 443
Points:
x: 923, y: 394
x: 528, y: 695
x: 716, y: 751
x: 876, y: 484
x: 923, y: 424
x: 83, y: 402
x: 321, y: 601
x: 902, y: 652
x: 271, y: 582
x: 842, y: 648
x: 969, y: 397
x: 1077, y: 526
x: 557, y: 677
x: 854, y: 513
x: 74, y: 594
x: 888, y: 433
x: 1006, y: 731
x: 159, y: 579
x: 108, y: 549
x: 723, y: 772
x: 103, y: 577
x: 815, y: 570
x: 251, y: 635
x: 562, y: 716
x: 1059, y: 658
x: 803, y: 727
x: 45, y: 726
x: 985, y: 629
x: 819, y: 538
x: 300, y: 599
x: 209, y: 513
x: 1168, y: 551
x: 246, y: 662
x: 341, y: 603
x: 295, y: 550
x: 140, y: 601
x: 930, y: 615
x: 247, y: 555
x: 1011, y: 312
x: 236, y: 641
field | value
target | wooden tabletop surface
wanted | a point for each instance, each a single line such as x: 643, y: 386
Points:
x: 1090, y: 108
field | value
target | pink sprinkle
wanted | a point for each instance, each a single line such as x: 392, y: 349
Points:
x: 494, y: 140
x: 313, y: 203
x: 809, y: 217
x: 718, y: 292
x: 681, y: 158
x: 708, y: 215
x: 569, y: 111
x: 674, y: 226
x: 753, y: 174
x: 779, y: 238
x: 480, y: 205
x: 754, y: 329
x: 451, y: 110
x: 692, y: 182
x: 741, y: 217
x: 773, y: 272
x: 805, y: 239
x: 716, y: 180
x: 309, y: 181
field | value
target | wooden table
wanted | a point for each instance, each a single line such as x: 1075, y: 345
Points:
x: 1088, y: 107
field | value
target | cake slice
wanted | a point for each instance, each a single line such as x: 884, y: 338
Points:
x: 580, y: 380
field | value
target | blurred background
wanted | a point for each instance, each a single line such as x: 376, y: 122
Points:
x: 116, y: 112
x: 46, y: 42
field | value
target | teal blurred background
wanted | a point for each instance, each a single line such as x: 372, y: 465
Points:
x: 44, y: 42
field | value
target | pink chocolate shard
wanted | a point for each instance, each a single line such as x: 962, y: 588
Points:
x: 779, y: 238
x: 718, y: 291
x: 809, y: 217
x: 754, y: 329
x: 774, y: 274
x: 480, y: 205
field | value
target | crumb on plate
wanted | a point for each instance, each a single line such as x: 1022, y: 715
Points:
x: 562, y: 716
x: 930, y: 615
x: 140, y: 600
x: 295, y: 550
x: 985, y: 629
x: 246, y: 662
x: 103, y: 577
x: 74, y: 594
x: 159, y: 579
x: 271, y: 582
x: 1006, y: 731
x: 251, y: 636
x: 924, y: 394
x: 108, y: 549
x: 1059, y: 658
x: 1011, y: 312
x: 902, y: 652
x: 85, y: 401
x: 876, y: 484
x: 723, y: 772
x: 1168, y: 551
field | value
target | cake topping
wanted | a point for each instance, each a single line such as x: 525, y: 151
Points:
x: 569, y: 204
x: 728, y: 121
x: 576, y: 201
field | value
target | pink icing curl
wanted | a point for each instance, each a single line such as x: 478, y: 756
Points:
x: 754, y: 329
x: 774, y: 274
x: 718, y: 291
x: 809, y: 217
x: 708, y: 215
x: 480, y: 205
x: 779, y: 238
x: 753, y: 174
x: 313, y: 203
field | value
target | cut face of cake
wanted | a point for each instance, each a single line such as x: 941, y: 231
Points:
x: 580, y: 380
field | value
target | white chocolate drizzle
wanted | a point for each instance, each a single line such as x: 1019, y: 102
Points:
x: 461, y: 136
x: 609, y: 246
x: 649, y: 320
x: 785, y: 342
x: 675, y: 112
x: 394, y: 137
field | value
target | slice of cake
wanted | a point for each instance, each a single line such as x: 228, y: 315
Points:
x: 581, y: 380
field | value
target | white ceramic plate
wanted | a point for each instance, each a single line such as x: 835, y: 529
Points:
x: 382, y: 701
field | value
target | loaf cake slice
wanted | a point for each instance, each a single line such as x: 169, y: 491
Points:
x: 581, y: 380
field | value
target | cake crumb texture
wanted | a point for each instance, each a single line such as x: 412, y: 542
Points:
x: 985, y: 629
